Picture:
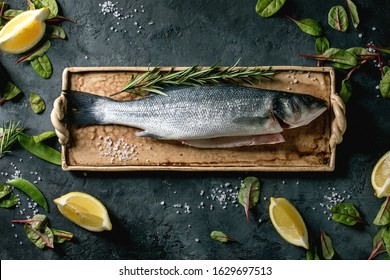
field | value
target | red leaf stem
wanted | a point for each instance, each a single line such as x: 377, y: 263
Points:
x: 380, y: 65
x: 63, y: 235
x: 338, y: 22
x: 375, y: 251
x: 2, y: 101
x: 59, y: 19
x: 2, y: 8
x: 247, y: 204
x: 26, y: 221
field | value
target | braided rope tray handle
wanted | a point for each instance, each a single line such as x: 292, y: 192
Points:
x: 56, y: 116
x: 339, y: 123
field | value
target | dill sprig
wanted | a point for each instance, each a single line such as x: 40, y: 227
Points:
x: 155, y: 81
x: 8, y: 136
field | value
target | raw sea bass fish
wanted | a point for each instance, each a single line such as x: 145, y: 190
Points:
x: 219, y: 116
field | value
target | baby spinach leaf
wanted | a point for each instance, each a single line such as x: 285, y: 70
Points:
x: 346, y: 213
x: 221, y: 237
x: 353, y: 12
x: 10, y: 91
x: 9, y: 200
x: 338, y: 19
x: 42, y: 66
x: 346, y: 90
x: 31, y: 190
x: 57, y: 32
x: 51, y: 4
x: 357, y: 51
x: 383, y: 216
x: 327, y: 247
x: 44, y: 136
x: 39, y: 238
x: 12, y: 13
x: 249, y: 194
x: 309, y: 26
x: 60, y: 236
x: 38, y: 52
x: 4, y: 191
x: 39, y: 149
x: 377, y: 244
x: 267, y: 8
x: 37, y: 104
x: 384, y: 85
x: 322, y: 44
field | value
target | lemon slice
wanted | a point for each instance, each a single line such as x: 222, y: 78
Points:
x: 24, y: 31
x: 288, y: 222
x: 380, y: 176
x: 84, y: 210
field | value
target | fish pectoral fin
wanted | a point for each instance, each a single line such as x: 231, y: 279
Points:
x: 148, y: 134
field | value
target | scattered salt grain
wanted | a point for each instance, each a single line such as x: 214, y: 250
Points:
x: 374, y: 28
x: 360, y: 35
x: 162, y: 202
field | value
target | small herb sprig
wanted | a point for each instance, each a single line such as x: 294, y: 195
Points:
x: 155, y: 80
x: 8, y: 136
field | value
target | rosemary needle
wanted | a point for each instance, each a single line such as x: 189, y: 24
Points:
x: 155, y: 81
x: 8, y: 136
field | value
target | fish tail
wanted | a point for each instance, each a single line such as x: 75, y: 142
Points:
x: 85, y: 108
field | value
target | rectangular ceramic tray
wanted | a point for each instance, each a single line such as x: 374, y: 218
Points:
x: 116, y: 148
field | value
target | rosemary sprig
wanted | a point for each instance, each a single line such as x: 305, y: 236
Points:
x: 8, y: 136
x: 155, y: 81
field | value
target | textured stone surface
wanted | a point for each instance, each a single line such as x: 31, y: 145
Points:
x: 187, y: 33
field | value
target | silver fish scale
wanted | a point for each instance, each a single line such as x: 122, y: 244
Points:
x: 198, y: 113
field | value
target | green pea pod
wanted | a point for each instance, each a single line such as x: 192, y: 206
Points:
x: 31, y: 190
x: 39, y: 149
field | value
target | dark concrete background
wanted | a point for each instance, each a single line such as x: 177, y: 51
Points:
x: 186, y: 33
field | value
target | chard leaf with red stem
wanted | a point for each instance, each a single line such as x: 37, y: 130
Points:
x: 346, y: 213
x: 377, y: 244
x: 37, y: 52
x: 353, y: 12
x: 327, y: 246
x: 383, y: 216
x: 249, y: 194
x: 338, y: 18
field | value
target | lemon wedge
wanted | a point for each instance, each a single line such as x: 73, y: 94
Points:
x: 288, y: 222
x: 380, y: 176
x: 24, y: 31
x: 84, y: 210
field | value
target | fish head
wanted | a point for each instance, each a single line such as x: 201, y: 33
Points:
x: 296, y: 110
